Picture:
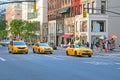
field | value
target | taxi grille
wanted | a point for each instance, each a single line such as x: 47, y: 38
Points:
x: 47, y: 49
x: 86, y: 51
x: 21, y: 47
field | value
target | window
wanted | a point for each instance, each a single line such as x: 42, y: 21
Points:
x: 93, y: 6
x: 103, y: 7
x: 98, y: 26
x: 18, y: 5
x: 83, y: 26
x: 88, y: 6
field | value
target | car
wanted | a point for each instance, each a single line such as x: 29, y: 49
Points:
x: 52, y: 45
x: 17, y: 47
x: 5, y: 42
x: 79, y: 50
x: 42, y: 48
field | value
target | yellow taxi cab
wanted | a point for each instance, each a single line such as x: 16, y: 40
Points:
x: 17, y: 47
x: 42, y: 48
x: 78, y: 50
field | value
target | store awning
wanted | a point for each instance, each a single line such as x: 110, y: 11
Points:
x: 66, y: 35
x: 64, y: 10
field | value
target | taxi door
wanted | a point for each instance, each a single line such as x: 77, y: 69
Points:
x: 71, y: 50
x: 35, y: 47
x: 10, y: 46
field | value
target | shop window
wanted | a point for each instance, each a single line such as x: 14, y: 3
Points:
x: 60, y: 28
x: 83, y: 39
x: 83, y: 26
x: 98, y: 26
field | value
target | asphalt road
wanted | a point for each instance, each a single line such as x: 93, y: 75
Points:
x: 58, y: 66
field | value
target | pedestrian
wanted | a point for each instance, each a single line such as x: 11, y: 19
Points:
x: 87, y: 44
x: 91, y: 45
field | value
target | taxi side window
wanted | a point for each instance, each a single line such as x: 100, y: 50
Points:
x: 11, y: 43
x: 36, y: 44
x: 71, y: 46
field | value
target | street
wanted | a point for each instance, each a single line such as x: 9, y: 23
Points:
x: 58, y: 66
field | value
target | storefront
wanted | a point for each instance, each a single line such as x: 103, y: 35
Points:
x: 52, y: 31
x: 88, y: 29
x: 59, y: 31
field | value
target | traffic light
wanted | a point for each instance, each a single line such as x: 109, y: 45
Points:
x: 34, y: 7
x: 84, y: 14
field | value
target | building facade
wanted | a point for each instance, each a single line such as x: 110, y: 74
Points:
x: 95, y: 24
x: 13, y: 11
x: 40, y: 16
x: 55, y: 21
x: 113, y: 19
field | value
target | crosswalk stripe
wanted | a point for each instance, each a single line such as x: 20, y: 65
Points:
x: 2, y: 59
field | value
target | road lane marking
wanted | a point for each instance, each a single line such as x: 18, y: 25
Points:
x: 2, y: 59
x: 98, y: 63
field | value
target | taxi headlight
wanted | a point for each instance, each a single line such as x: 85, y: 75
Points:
x: 15, y: 48
x: 42, y: 48
x: 26, y: 48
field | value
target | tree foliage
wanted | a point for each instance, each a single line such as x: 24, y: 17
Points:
x: 16, y: 27
x: 3, y: 26
x: 25, y: 29
x: 3, y: 33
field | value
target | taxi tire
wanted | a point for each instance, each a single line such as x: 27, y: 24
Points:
x: 67, y: 53
x: 26, y: 52
x: 75, y: 53
x: 39, y: 51
x: 9, y: 51
x: 51, y: 53
x: 89, y: 55
x: 33, y: 51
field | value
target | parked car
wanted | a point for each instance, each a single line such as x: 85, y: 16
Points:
x: 78, y: 50
x: 42, y: 48
x: 17, y: 47
x: 52, y: 45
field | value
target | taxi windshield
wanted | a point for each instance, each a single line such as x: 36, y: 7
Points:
x: 19, y: 43
x: 43, y: 44
x: 79, y: 46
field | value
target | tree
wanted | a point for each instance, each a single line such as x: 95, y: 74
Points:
x: 16, y: 27
x: 3, y: 34
x: 3, y: 26
x: 30, y: 29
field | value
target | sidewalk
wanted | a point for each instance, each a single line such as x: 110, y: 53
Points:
x: 60, y: 48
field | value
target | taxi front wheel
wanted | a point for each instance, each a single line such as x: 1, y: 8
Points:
x: 75, y: 53
x: 67, y: 53
x: 26, y: 53
x: 89, y: 55
x: 33, y: 51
